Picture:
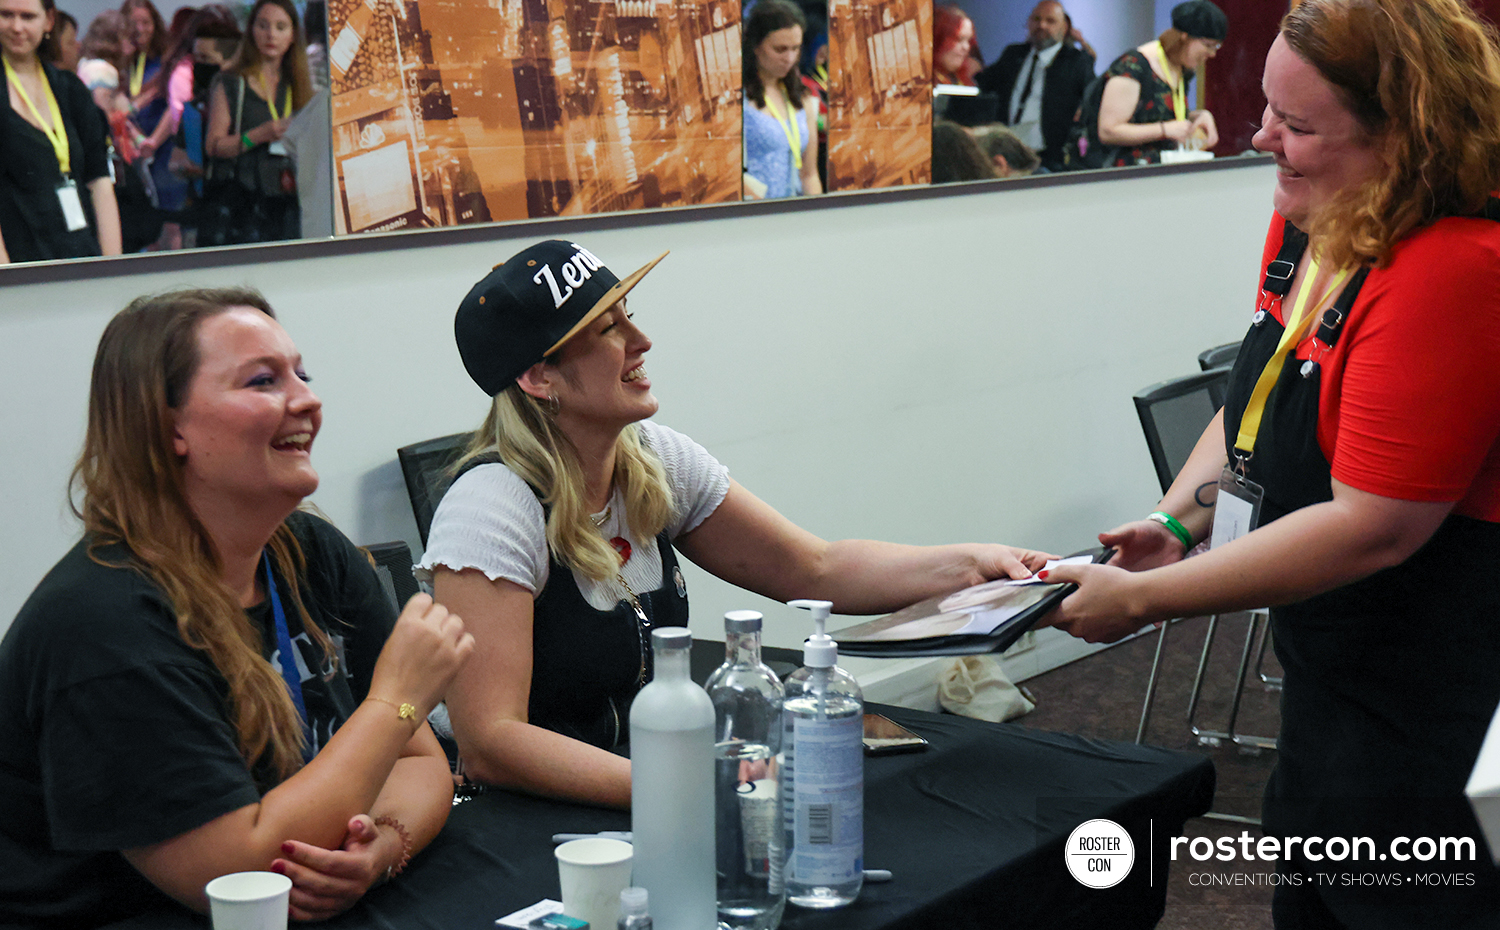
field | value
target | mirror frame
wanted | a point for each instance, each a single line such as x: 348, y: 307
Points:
x: 236, y: 256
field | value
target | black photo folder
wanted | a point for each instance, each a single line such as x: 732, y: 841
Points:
x: 988, y: 617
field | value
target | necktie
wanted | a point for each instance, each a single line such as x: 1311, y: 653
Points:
x: 1026, y: 90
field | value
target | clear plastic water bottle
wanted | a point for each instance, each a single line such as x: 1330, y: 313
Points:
x: 633, y: 909
x: 822, y: 774
x: 672, y: 789
x: 747, y: 817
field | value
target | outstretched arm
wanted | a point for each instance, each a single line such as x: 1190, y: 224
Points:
x: 747, y: 543
x: 1304, y: 553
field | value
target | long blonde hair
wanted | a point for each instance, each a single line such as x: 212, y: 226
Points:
x: 1422, y: 77
x: 131, y: 484
x: 525, y: 434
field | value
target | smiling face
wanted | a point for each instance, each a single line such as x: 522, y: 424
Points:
x: 600, y: 382
x: 22, y: 24
x: 1319, y: 146
x: 272, y: 31
x: 950, y: 60
x: 245, y: 428
x: 776, y: 55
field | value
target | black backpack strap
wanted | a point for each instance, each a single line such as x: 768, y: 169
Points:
x: 1491, y: 209
x: 1283, y: 267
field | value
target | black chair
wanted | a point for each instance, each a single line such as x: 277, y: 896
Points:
x: 426, y: 467
x: 393, y: 567
x: 1174, y: 414
x: 1219, y: 356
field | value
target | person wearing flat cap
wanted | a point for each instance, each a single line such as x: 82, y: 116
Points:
x: 559, y: 539
x: 1144, y: 110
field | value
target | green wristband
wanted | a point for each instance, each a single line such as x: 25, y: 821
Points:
x: 245, y: 141
x: 1178, y: 530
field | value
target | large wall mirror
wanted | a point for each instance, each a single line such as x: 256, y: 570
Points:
x: 432, y: 113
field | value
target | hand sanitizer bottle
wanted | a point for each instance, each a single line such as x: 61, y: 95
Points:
x: 822, y: 774
x: 672, y: 789
x: 747, y: 737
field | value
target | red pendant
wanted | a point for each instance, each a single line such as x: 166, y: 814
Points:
x: 622, y: 546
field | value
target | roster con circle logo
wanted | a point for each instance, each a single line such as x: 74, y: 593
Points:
x: 1099, y: 853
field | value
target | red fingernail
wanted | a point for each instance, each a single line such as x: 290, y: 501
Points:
x: 287, y: 848
x: 1042, y: 574
x: 278, y: 866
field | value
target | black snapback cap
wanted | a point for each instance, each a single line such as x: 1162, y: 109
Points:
x: 528, y: 306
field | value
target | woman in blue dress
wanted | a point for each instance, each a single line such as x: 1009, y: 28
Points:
x: 781, y: 117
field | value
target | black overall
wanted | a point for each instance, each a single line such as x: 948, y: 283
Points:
x: 1390, y: 682
x: 587, y: 664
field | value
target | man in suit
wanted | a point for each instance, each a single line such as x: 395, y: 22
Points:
x: 1040, y: 82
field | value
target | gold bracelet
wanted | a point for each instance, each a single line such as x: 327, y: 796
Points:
x: 404, y: 710
x: 387, y: 821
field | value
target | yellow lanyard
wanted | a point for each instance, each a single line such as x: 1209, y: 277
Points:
x: 271, y: 104
x: 137, y: 75
x: 793, y: 137
x: 1296, y: 328
x: 56, y: 133
x: 1179, y: 90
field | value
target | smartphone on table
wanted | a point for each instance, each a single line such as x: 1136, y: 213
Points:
x: 884, y: 737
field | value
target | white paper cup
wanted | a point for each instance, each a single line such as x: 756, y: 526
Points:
x: 249, y: 901
x: 593, y: 872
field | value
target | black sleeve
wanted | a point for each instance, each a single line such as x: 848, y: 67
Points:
x: 139, y: 757
x: 350, y: 598
x: 89, y: 123
x: 1083, y: 71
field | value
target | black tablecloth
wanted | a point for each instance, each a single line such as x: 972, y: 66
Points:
x: 973, y: 830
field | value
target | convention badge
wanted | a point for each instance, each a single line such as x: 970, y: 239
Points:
x: 277, y: 148
x: 72, y: 207
x: 1237, y: 509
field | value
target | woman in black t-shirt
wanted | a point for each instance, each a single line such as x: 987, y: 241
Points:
x: 200, y: 686
x: 56, y: 198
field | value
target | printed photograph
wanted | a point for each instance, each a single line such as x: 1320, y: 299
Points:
x: 449, y: 112
x: 880, y: 93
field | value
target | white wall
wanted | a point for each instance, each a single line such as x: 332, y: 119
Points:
x: 955, y: 366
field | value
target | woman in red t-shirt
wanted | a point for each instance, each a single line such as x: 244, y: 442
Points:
x: 1374, y: 442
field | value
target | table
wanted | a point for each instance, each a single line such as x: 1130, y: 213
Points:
x: 973, y: 830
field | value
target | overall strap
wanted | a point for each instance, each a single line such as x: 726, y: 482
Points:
x: 1282, y: 269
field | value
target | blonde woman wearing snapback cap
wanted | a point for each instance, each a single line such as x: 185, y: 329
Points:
x: 558, y: 541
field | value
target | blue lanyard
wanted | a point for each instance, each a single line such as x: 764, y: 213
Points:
x: 288, y: 659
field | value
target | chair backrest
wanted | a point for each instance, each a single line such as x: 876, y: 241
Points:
x: 425, y: 466
x: 1219, y: 356
x: 1173, y: 416
x: 393, y: 568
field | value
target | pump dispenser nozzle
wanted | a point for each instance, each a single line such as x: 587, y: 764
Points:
x: 819, y: 650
